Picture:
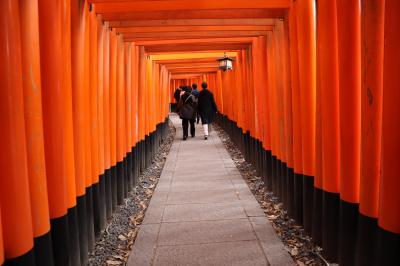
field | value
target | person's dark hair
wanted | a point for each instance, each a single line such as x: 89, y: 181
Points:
x: 194, y: 86
x: 187, y: 89
x: 204, y: 85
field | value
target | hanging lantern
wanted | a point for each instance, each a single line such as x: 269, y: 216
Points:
x: 225, y: 63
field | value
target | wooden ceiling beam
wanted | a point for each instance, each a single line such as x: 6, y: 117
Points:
x: 193, y: 22
x: 196, y: 14
x: 142, y: 6
x: 191, y: 60
x: 193, y: 47
x: 193, y: 70
x: 196, y: 64
x: 227, y: 40
x: 208, y: 34
x: 192, y: 56
x: 193, y: 29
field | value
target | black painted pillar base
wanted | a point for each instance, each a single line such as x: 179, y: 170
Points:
x: 298, y: 198
x: 27, y: 259
x: 108, y: 192
x: 102, y: 192
x: 284, y: 186
x: 120, y: 182
x: 268, y: 165
x: 278, y: 178
x: 330, y: 225
x: 82, y: 227
x: 367, y: 241
x: 290, y: 192
x: 114, y: 189
x: 308, y: 191
x: 273, y: 174
x: 348, y: 233
x: 317, y: 217
x: 96, y: 209
x: 90, y: 218
x: 60, y: 239
x: 129, y: 170
x: 388, y: 247
x: 43, y: 247
x: 125, y: 176
x: 73, y: 237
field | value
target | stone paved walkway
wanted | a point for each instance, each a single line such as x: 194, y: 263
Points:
x: 203, y: 213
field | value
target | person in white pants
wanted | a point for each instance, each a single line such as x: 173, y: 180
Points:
x: 206, y: 108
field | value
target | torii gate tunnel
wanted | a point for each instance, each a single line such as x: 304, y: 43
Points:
x: 312, y: 100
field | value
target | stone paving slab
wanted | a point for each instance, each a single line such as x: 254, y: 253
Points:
x: 213, y: 254
x: 203, y: 213
x: 202, y: 232
x: 213, y: 196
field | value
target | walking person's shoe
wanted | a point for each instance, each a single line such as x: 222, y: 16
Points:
x: 205, y: 137
x: 184, y: 137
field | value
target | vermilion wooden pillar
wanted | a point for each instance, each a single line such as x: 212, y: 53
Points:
x: 296, y: 107
x: 275, y: 154
x: 100, y: 121
x: 372, y: 36
x: 120, y: 120
x: 280, y: 82
x: 73, y: 244
x: 78, y: 107
x: 349, y: 40
x: 106, y: 114
x: 141, y: 103
x: 128, y: 111
x: 318, y: 183
x: 34, y: 131
x: 389, y: 197
x: 14, y: 189
x: 88, y: 129
x: 113, y: 115
x: 288, y: 117
x: 93, y: 122
x: 307, y: 78
x: 329, y: 86
x: 54, y: 113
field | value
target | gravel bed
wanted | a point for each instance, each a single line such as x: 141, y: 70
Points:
x: 296, y: 242
x: 116, y: 241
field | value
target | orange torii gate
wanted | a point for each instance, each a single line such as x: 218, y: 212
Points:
x: 312, y: 102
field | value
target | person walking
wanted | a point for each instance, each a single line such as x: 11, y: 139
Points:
x: 206, y: 108
x: 187, y: 110
x: 195, y: 93
x: 177, y: 96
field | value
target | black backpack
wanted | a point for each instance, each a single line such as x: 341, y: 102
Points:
x: 186, y: 110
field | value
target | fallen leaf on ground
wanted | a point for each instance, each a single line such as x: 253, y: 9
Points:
x: 113, y: 262
x: 122, y: 237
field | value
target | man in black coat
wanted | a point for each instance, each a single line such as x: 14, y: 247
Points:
x: 206, y: 107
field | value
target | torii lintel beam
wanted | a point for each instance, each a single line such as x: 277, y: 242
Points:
x: 174, y: 56
x: 193, y: 22
x: 196, y: 14
x: 193, y: 28
x: 208, y: 34
x: 187, y: 61
x: 247, y: 40
x: 195, y: 48
x: 167, y: 5
x: 193, y: 70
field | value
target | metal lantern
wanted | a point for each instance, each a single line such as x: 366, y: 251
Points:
x: 225, y: 63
